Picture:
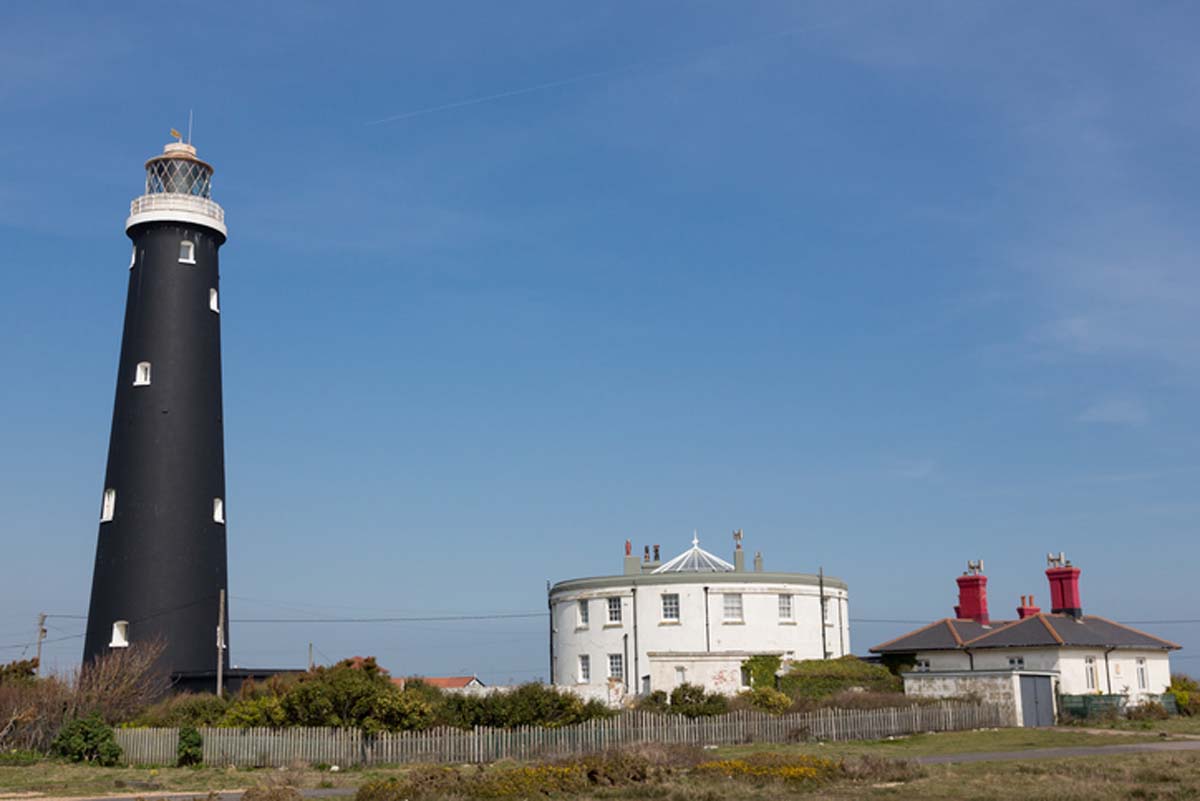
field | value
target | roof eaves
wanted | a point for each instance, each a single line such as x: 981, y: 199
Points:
x: 1171, y: 645
x: 914, y: 632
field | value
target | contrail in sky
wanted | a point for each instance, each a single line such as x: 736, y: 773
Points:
x: 589, y: 76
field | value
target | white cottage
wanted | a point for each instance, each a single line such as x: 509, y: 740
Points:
x: 1035, y: 658
x: 695, y: 619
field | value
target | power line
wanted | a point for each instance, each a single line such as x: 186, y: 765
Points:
x: 427, y: 619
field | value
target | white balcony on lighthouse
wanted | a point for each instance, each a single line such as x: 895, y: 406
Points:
x: 178, y: 189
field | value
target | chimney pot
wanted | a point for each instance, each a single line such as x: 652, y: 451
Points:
x: 628, y: 547
x: 972, y: 595
x: 1064, y: 588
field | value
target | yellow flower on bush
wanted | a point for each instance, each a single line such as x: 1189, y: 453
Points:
x: 772, y: 767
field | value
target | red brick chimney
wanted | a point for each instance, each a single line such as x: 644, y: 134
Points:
x: 1027, y: 609
x: 972, y: 594
x: 1064, y: 586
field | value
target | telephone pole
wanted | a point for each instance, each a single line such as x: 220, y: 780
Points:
x: 310, y: 662
x: 41, y: 635
x: 221, y: 647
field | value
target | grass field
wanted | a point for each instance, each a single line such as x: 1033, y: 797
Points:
x: 1173, y: 725
x: 60, y: 779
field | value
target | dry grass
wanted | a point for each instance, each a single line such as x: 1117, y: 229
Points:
x: 869, y: 765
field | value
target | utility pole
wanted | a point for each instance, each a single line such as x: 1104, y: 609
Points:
x: 821, y: 584
x: 310, y: 662
x: 41, y: 635
x: 221, y: 647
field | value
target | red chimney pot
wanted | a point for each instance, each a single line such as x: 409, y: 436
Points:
x: 972, y: 598
x: 1064, y: 590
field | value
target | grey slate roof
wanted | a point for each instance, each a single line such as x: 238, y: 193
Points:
x: 1041, y: 630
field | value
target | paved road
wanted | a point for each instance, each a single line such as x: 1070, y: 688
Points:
x: 1060, y: 753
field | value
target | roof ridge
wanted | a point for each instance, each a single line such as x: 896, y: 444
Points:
x: 1053, y: 632
x: 1004, y: 627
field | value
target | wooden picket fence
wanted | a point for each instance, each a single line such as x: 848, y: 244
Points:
x: 260, y: 747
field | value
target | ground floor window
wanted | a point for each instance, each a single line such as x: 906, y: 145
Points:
x: 1089, y: 672
x: 585, y: 669
x: 616, y: 667
x: 1143, y: 679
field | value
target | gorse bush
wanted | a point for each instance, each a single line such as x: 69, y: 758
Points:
x: 769, y: 767
x: 1187, y: 694
x: 87, y: 739
x: 21, y: 671
x: 766, y: 699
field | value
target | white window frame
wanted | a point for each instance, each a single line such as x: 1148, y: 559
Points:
x: 581, y: 614
x: 1089, y: 673
x: 108, y: 505
x: 616, y: 666
x: 585, y: 669
x: 670, y: 607
x: 120, y: 634
x: 680, y: 675
x: 614, y: 611
x: 1016, y: 663
x: 219, y: 510
x: 142, y: 374
x: 214, y: 300
x: 1143, y: 674
x: 731, y: 602
x: 187, y: 251
x: 787, y: 609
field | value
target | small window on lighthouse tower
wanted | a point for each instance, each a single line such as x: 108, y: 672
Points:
x: 218, y: 510
x: 213, y: 303
x: 120, y: 635
x: 187, y: 252
x: 108, y: 506
x: 141, y: 376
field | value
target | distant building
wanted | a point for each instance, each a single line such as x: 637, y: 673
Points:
x: 1030, y: 661
x: 448, y: 683
x: 695, y: 619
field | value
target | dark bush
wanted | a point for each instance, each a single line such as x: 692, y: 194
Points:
x: 692, y: 701
x: 1187, y: 694
x: 21, y: 671
x: 184, y: 709
x: 656, y: 701
x: 1150, y: 710
x: 191, y: 747
x: 87, y: 739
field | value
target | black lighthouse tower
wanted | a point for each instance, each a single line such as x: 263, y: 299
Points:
x: 160, y: 569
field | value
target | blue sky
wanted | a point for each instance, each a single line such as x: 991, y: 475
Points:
x: 888, y: 287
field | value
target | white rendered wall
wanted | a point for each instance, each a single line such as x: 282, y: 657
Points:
x: 720, y: 673
x: 760, y: 629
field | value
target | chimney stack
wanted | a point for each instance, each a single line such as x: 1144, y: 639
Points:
x: 656, y: 558
x: 739, y: 556
x: 758, y: 568
x: 633, y: 565
x: 1064, y: 586
x: 972, y: 594
x: 1027, y: 609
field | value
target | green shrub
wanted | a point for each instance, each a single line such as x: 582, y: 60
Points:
x: 692, y: 701
x: 87, y: 739
x: 821, y: 678
x: 266, y: 710
x: 656, y: 701
x: 1187, y: 694
x: 185, y: 709
x: 20, y: 757
x: 191, y: 747
x: 766, y: 699
x: 761, y: 670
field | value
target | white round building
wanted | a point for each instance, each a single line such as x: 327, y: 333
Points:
x: 695, y: 618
